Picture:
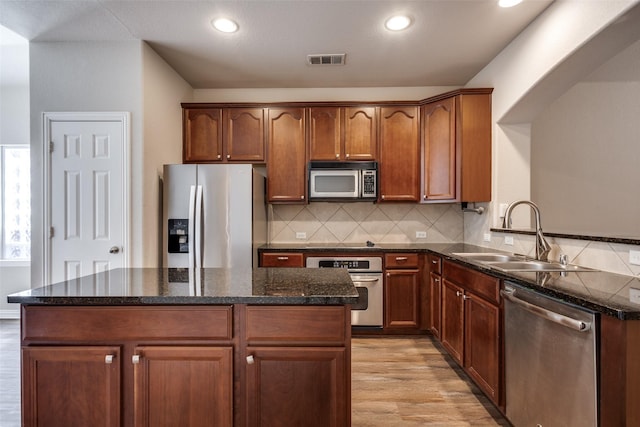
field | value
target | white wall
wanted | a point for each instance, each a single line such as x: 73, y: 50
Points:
x: 14, y: 129
x: 86, y: 76
x: 163, y: 91
x: 567, y: 42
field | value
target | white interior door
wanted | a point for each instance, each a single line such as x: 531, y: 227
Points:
x: 87, y: 194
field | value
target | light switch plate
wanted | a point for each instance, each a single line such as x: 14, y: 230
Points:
x: 634, y: 257
x: 421, y: 234
x: 508, y: 240
x: 301, y: 235
x: 503, y: 209
x: 487, y: 237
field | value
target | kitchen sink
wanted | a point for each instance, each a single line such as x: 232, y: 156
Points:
x: 534, y: 265
x: 515, y: 262
x: 490, y: 257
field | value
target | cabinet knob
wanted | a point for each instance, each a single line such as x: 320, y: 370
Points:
x: 301, y: 197
x: 250, y: 360
x: 337, y: 156
x: 434, y: 261
x: 436, y: 280
x: 465, y: 297
x: 108, y: 359
x: 228, y: 156
x: 219, y: 156
x: 382, y: 197
x: 458, y: 293
x: 346, y: 155
x: 135, y: 359
x: 424, y: 197
x: 114, y: 250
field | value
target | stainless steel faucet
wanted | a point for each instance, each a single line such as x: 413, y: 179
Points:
x: 542, y: 247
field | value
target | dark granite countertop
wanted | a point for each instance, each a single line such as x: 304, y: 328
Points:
x: 137, y: 286
x: 599, y: 291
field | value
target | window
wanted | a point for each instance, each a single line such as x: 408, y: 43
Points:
x: 15, y: 203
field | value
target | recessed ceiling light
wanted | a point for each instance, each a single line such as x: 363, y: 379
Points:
x: 397, y: 23
x: 508, y: 3
x: 225, y: 25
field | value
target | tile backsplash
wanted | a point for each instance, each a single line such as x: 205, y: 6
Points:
x: 358, y: 222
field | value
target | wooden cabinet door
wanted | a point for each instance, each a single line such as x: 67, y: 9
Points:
x: 402, y: 299
x: 286, y: 161
x: 298, y: 386
x: 360, y: 133
x: 435, y: 301
x: 399, y: 162
x: 183, y: 386
x: 202, y: 135
x: 325, y: 133
x: 482, y: 353
x: 452, y: 323
x: 439, y: 162
x: 244, y: 134
x: 70, y: 386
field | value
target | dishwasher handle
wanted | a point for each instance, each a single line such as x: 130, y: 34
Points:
x: 561, y: 319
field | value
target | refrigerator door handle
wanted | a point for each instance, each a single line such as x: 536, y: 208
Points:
x: 198, y: 234
x: 192, y: 224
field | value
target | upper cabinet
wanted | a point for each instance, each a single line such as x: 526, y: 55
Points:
x: 456, y: 164
x: 202, y: 135
x: 342, y: 133
x: 223, y: 134
x: 399, y: 161
x: 286, y: 156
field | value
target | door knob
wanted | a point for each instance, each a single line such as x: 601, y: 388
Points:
x: 114, y: 250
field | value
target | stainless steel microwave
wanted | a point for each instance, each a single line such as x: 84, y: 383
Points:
x: 343, y: 181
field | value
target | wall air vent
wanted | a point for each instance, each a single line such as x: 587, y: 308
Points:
x: 326, y: 59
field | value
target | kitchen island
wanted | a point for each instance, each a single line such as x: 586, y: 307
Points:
x: 266, y: 346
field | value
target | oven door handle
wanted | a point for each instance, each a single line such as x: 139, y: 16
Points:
x: 373, y: 279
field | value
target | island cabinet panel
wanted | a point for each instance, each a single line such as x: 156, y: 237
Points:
x: 399, y: 162
x: 66, y: 386
x: 286, y: 156
x: 202, y: 135
x: 299, y: 386
x: 183, y: 386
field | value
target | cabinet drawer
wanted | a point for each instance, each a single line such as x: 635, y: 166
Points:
x: 313, y: 324
x: 401, y: 260
x: 435, y: 263
x: 282, y: 259
x: 51, y: 324
x: 474, y: 281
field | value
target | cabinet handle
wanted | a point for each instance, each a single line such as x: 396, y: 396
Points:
x: 135, y: 359
x: 347, y: 156
x: 301, y: 197
x: 228, y: 156
x: 283, y: 258
x: 465, y: 297
x: 108, y: 359
x: 401, y: 258
x: 382, y: 197
x: 337, y: 156
x: 250, y: 360
x: 458, y: 293
x: 434, y: 261
x: 219, y: 156
x: 424, y: 197
x: 436, y: 280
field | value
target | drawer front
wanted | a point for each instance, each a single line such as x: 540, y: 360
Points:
x: 310, y: 324
x: 401, y: 260
x: 474, y: 281
x: 435, y: 263
x: 52, y: 324
x: 282, y: 259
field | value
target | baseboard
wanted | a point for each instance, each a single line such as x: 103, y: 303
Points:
x: 9, y: 314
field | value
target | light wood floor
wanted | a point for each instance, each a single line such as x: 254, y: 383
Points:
x: 396, y: 381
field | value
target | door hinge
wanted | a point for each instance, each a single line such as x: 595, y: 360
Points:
x: 51, y: 146
x: 51, y: 232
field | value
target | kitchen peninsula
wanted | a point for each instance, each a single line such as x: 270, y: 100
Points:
x: 188, y: 347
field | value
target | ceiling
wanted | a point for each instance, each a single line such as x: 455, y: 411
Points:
x: 448, y: 42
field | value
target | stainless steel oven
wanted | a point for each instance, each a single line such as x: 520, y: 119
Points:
x: 366, y: 274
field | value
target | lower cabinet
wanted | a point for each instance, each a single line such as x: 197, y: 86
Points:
x: 471, y: 326
x: 186, y: 366
x: 402, y: 291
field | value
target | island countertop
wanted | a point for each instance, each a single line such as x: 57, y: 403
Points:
x: 153, y: 286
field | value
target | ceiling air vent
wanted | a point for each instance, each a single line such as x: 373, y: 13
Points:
x: 326, y: 59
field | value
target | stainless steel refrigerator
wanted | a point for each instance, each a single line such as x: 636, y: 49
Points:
x: 213, y: 215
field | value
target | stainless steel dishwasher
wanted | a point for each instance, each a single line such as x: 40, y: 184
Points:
x: 550, y: 361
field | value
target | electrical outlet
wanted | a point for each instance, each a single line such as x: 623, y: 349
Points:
x: 301, y: 235
x: 503, y: 209
x: 634, y: 257
x: 508, y: 240
x: 421, y: 234
x: 634, y: 295
x: 487, y: 237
